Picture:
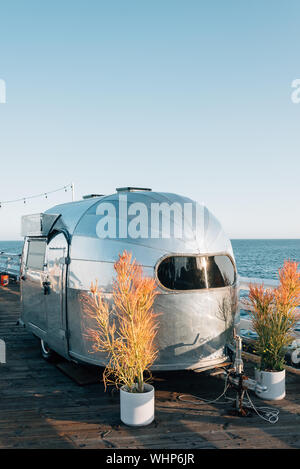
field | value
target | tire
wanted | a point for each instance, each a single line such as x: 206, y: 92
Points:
x: 47, y: 353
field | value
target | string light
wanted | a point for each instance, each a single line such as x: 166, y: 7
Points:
x: 44, y: 194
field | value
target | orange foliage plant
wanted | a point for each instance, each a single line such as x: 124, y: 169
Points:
x: 274, y: 316
x: 125, y: 330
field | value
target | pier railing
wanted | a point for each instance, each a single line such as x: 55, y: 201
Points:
x: 10, y: 264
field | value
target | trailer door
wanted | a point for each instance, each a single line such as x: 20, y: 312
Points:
x: 55, y: 293
x: 33, y: 299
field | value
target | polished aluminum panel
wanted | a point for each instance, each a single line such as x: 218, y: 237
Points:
x: 82, y: 273
x: 204, y: 237
x: 72, y: 212
x: 80, y: 219
x: 55, y: 293
x: 32, y: 295
x: 195, y: 326
x: 37, y: 224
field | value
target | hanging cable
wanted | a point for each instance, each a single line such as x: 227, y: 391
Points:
x: 43, y: 194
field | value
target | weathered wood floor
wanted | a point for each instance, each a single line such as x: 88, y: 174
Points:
x: 40, y: 407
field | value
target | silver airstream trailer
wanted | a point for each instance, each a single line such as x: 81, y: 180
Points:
x: 175, y: 239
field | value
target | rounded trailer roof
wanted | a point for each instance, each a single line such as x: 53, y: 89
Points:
x: 202, y: 234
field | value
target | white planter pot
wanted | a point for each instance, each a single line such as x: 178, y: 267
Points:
x: 137, y: 408
x: 275, y: 383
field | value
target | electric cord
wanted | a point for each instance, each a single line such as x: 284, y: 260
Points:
x: 268, y: 414
x: 206, y: 401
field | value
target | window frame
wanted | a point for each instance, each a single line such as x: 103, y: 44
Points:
x: 198, y: 290
x: 33, y: 240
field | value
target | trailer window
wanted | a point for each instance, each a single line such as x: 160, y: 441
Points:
x: 36, y: 254
x: 196, y: 272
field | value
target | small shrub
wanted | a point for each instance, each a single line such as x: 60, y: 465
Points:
x: 126, y: 330
x: 274, y: 316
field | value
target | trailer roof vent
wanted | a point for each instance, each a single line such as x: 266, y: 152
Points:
x: 132, y: 189
x: 90, y: 196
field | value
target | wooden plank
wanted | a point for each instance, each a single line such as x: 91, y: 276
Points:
x: 256, y: 359
x: 40, y: 407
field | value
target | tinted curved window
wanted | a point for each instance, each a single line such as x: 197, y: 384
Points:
x: 196, y: 272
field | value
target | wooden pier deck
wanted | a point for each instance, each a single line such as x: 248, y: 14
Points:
x: 40, y: 407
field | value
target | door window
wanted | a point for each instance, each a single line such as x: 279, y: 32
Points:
x: 36, y: 254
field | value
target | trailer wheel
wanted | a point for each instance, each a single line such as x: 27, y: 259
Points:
x: 48, y: 354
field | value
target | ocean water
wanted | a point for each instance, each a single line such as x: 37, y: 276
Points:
x: 254, y: 257
x: 263, y: 257
x: 13, y: 247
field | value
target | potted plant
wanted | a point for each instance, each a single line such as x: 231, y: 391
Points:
x: 125, y: 331
x: 274, y: 317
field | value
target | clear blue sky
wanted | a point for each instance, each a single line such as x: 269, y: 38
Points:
x: 189, y: 96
